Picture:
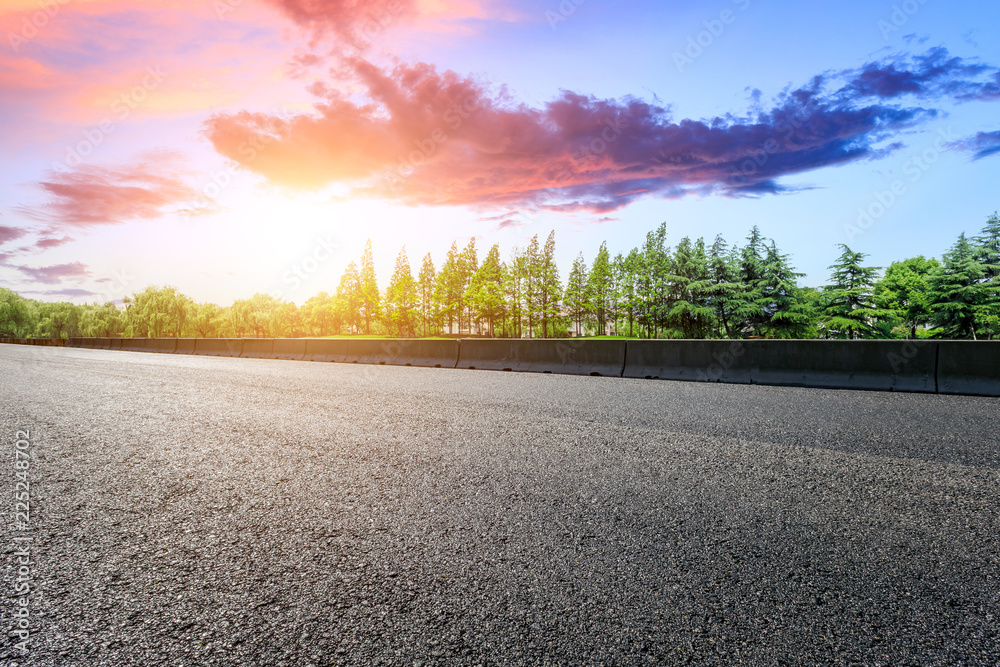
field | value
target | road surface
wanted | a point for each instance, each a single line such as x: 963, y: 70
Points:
x: 210, y: 511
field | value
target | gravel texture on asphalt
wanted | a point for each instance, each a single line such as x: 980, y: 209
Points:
x: 211, y: 511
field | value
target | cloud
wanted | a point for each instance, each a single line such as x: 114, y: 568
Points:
x: 92, y: 195
x: 48, y: 243
x: 424, y: 137
x: 71, y: 292
x: 8, y: 234
x: 934, y: 74
x: 981, y: 145
x: 55, y: 273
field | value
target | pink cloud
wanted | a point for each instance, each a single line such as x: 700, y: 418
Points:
x: 10, y: 233
x: 92, y: 195
x: 423, y: 137
x: 55, y: 273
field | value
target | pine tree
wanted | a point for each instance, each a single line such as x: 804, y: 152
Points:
x: 689, y: 312
x: 448, y: 288
x: 600, y: 285
x: 485, y: 294
x: 577, y: 297
x: 369, y: 295
x: 788, y: 314
x: 988, y: 254
x: 400, y: 311
x: 549, y: 287
x: 467, y: 266
x: 957, y: 291
x: 428, y: 306
x: 348, y: 298
x: 851, y: 311
x: 725, y: 287
x: 529, y: 264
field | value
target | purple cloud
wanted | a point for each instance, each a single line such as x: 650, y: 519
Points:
x: 981, y: 145
x: 55, y: 273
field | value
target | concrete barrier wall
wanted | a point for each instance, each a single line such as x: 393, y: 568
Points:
x: 326, y: 349
x: 845, y: 364
x: 165, y: 345
x: 690, y: 360
x: 219, y: 347
x: 288, y: 348
x: 257, y: 348
x: 595, y: 357
x: 947, y: 367
x: 404, y: 352
x: 969, y: 367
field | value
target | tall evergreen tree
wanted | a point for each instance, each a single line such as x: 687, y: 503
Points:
x: 448, y: 288
x: 957, y: 291
x: 549, y: 287
x: 428, y: 306
x: 788, y: 314
x: 851, y: 311
x: 577, y: 297
x: 369, y: 296
x: 401, y: 302
x: 348, y: 299
x: 485, y: 294
x: 725, y: 288
x: 689, y: 314
x: 600, y: 286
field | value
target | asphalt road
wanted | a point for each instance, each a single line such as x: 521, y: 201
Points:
x: 201, y: 511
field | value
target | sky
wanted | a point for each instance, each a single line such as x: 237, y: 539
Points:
x: 229, y: 147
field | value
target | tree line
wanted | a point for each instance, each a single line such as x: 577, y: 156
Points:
x: 691, y: 290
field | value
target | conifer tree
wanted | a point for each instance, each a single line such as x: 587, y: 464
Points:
x: 369, y: 295
x: 851, y: 311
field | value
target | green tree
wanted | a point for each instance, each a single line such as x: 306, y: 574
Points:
x: 486, y: 290
x: 369, y: 295
x: 58, y: 320
x: 447, y: 288
x: 725, y: 288
x: 903, y: 292
x: 957, y: 293
x: 549, y: 288
x: 788, y: 314
x: 850, y: 310
x: 600, y: 286
x: 17, y: 318
x: 319, y: 314
x: 400, y: 311
x: 577, y: 296
x: 347, y: 305
x: 428, y: 305
x: 208, y: 320
x: 690, y: 313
